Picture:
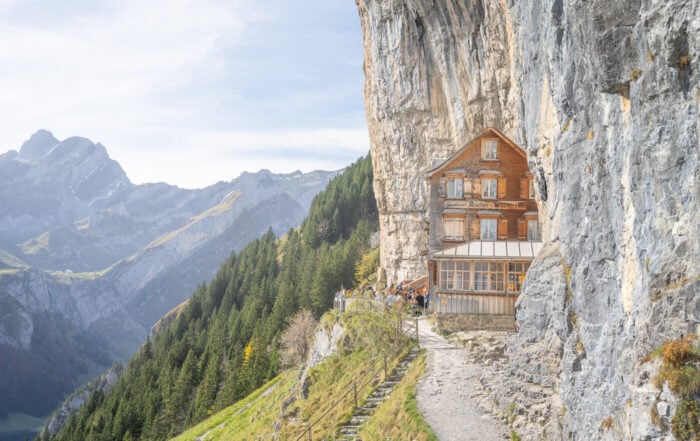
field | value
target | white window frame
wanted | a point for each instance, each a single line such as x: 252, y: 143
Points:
x: 533, y: 230
x: 447, y: 220
x: 488, y: 229
x: 489, y: 150
x: 489, y: 188
x: 489, y: 276
x: 455, y: 188
x: 454, y: 275
x: 531, y: 188
x: 516, y: 275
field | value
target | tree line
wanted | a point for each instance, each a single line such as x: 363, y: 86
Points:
x: 225, y: 342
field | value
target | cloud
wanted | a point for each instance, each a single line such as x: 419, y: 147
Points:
x: 156, y: 81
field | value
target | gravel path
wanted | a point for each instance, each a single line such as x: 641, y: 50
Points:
x: 445, y: 393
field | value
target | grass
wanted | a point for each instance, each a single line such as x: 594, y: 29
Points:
x: 607, y: 423
x: 281, y: 413
x: 247, y: 418
x: 635, y: 74
x: 398, y: 418
x: 217, y: 210
x: 11, y: 261
x: 679, y: 368
x: 8, y: 271
x: 87, y: 275
x: 34, y: 246
x: 16, y: 422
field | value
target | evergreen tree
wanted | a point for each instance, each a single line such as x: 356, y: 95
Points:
x: 225, y: 342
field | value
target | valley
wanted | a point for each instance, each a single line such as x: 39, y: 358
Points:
x: 90, y: 261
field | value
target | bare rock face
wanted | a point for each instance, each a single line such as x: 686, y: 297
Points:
x: 436, y: 75
x: 604, y: 97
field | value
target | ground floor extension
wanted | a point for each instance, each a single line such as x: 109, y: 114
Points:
x: 475, y: 285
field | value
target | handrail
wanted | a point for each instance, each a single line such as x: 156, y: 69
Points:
x: 354, y: 390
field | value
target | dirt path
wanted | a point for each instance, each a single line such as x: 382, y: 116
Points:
x: 445, y: 393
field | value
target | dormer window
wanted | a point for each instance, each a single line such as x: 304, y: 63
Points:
x: 489, y: 150
x: 489, y: 188
x: 454, y: 188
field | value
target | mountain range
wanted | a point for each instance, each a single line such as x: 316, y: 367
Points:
x: 90, y: 261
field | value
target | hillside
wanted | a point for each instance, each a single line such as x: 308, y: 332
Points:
x: 603, y: 96
x: 90, y: 261
x: 280, y: 409
x: 225, y: 342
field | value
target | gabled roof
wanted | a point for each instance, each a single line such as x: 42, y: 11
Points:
x: 491, y: 130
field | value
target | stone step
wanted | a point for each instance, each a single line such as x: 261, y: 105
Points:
x: 349, y: 430
x: 358, y: 420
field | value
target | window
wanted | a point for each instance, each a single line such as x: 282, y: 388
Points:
x: 489, y: 188
x: 488, y: 276
x: 533, y: 230
x: 516, y: 275
x: 489, y: 149
x: 454, y: 275
x: 531, y: 188
x: 454, y: 227
x: 454, y: 188
x: 496, y: 276
x: 488, y: 229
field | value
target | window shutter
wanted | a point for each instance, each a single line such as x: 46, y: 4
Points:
x: 502, y: 229
x: 476, y: 188
x: 475, y: 232
x: 501, y: 187
x: 522, y: 229
x: 442, y: 187
x: 467, y: 188
x: 483, y: 149
x: 524, y: 188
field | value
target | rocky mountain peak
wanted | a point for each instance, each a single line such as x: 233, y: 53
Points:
x: 37, y: 145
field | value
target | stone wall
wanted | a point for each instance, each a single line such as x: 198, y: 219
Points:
x: 604, y: 97
x: 475, y: 322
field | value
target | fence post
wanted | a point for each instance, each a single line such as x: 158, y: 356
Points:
x: 385, y: 373
x: 417, y: 341
x: 354, y: 389
x: 309, y: 431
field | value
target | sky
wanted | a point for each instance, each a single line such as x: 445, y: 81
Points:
x: 188, y: 92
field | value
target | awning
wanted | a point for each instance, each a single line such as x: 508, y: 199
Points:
x: 499, y: 249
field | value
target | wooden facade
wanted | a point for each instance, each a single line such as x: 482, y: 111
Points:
x: 482, y: 215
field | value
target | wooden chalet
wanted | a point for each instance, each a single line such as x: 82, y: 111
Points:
x: 484, y: 232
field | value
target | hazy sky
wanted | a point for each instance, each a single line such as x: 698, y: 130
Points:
x: 188, y: 92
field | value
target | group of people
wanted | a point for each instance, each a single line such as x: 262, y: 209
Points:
x: 411, y: 296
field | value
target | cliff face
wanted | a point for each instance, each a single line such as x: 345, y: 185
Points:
x: 604, y: 97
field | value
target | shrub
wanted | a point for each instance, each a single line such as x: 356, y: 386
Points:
x: 678, y: 352
x: 297, y: 338
x: 685, y: 424
x: 607, y: 423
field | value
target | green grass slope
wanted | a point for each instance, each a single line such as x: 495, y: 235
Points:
x: 277, y: 410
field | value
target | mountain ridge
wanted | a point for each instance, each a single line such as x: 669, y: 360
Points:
x: 111, y: 257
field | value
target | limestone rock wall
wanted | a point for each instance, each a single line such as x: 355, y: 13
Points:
x: 604, y: 97
x: 436, y: 75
